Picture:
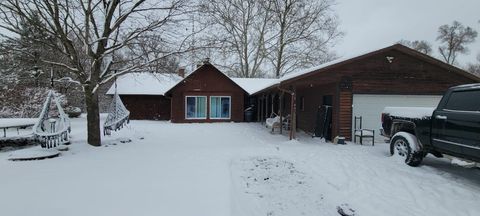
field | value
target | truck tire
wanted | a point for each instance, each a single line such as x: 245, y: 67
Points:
x: 403, y: 145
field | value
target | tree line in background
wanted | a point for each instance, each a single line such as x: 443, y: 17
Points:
x: 88, y: 43
x: 454, y: 40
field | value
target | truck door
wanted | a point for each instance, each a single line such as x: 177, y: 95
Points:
x: 456, y: 126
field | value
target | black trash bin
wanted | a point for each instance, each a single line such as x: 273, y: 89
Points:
x: 249, y: 114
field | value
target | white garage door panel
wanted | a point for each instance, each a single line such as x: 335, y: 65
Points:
x: 370, y: 107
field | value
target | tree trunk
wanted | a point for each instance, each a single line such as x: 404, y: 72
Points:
x: 93, y: 117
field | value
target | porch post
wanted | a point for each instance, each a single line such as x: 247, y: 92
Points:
x: 266, y: 107
x: 258, y: 109
x: 273, y: 100
x: 293, y: 125
x: 280, y: 108
x: 261, y: 110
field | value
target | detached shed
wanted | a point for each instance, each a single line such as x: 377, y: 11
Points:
x: 362, y: 85
x: 144, y: 94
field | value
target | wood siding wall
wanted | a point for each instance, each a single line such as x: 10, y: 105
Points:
x: 405, y: 75
x: 313, y: 98
x: 147, y: 107
x: 345, y: 115
x: 207, y: 81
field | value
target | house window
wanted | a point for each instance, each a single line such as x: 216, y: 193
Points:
x: 196, y: 107
x: 302, y: 103
x: 220, y: 107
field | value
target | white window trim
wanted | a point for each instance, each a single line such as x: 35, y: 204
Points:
x: 229, y: 107
x: 186, y: 107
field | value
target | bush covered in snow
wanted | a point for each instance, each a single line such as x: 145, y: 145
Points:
x: 24, y: 102
x: 73, y: 112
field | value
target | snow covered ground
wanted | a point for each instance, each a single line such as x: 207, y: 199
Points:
x: 159, y: 168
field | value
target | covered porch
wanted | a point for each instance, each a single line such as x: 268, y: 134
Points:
x: 276, y: 102
x: 319, y: 107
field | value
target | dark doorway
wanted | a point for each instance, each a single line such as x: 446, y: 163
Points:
x: 327, y: 100
x: 323, y: 123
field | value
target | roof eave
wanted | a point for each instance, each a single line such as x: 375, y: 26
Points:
x: 266, y: 89
x: 398, y: 47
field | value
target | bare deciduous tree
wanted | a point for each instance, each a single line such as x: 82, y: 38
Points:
x: 454, y: 39
x: 87, y: 33
x: 241, y: 28
x: 274, y: 36
x: 419, y: 45
x: 150, y: 47
x: 474, y: 68
x: 304, y: 33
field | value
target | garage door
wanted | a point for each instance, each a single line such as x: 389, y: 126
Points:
x: 370, y: 107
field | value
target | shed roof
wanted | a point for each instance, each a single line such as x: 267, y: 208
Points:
x: 144, y: 83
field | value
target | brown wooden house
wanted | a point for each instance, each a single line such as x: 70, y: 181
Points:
x: 207, y: 95
x: 360, y: 86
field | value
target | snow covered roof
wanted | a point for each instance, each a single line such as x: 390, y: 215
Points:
x: 355, y: 56
x: 253, y: 85
x: 144, y: 84
x: 318, y: 67
x: 250, y: 85
x: 310, y: 70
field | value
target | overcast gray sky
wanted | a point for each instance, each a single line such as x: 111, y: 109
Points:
x: 373, y: 24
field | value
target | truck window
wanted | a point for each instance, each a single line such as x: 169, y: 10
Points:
x: 464, y: 101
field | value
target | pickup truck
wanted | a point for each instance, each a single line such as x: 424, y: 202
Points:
x: 452, y: 128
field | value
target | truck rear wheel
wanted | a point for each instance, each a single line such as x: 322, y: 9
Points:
x: 403, y: 145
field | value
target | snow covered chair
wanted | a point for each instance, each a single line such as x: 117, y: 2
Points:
x: 273, y: 122
x: 362, y: 133
x: 118, y: 115
x: 52, y: 130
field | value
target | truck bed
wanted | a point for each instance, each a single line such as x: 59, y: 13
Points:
x: 409, y: 112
